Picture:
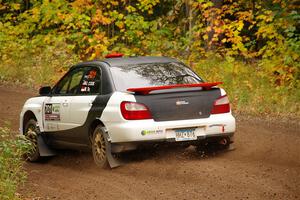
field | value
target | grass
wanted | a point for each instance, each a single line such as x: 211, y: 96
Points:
x: 11, y: 163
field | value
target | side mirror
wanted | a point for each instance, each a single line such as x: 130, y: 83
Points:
x: 44, y: 91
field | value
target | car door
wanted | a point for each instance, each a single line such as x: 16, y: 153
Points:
x: 81, y: 105
x: 56, y: 112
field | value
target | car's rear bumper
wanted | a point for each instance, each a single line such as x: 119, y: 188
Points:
x: 150, y: 130
x: 128, y: 146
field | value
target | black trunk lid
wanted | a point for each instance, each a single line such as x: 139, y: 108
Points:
x: 181, y: 105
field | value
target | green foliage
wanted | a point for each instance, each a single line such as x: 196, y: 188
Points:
x: 40, y: 39
x: 35, y: 65
x: 251, y: 89
x: 12, y: 173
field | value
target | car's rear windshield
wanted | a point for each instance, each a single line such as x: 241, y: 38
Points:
x: 152, y: 74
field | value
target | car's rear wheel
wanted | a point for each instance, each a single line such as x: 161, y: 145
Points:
x: 31, y: 133
x: 99, y: 147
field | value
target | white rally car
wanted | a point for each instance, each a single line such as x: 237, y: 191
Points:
x: 119, y: 104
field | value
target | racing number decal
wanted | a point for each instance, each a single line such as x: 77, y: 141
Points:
x: 52, y: 112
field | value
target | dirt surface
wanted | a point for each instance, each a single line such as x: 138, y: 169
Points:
x: 265, y: 165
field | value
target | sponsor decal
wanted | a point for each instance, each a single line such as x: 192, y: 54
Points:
x: 52, y: 111
x: 91, y: 83
x: 151, y: 132
x: 85, y: 82
x: 52, y: 126
x: 85, y: 89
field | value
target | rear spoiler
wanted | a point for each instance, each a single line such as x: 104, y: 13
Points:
x: 147, y: 90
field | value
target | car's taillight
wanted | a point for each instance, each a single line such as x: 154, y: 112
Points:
x: 134, y: 111
x: 221, y: 105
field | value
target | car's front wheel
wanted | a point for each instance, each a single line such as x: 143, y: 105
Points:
x: 31, y: 133
x: 99, y: 147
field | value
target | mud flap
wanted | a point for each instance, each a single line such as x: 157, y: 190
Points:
x: 44, y: 150
x: 112, y: 160
x: 231, y: 147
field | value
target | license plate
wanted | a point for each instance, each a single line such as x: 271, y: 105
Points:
x: 185, y: 134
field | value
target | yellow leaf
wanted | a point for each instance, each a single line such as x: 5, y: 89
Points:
x: 93, y: 56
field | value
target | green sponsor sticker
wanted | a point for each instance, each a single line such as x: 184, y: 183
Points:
x: 151, y: 132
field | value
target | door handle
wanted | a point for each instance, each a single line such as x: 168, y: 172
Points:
x: 65, y: 104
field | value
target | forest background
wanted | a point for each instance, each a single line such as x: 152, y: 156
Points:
x: 253, y: 46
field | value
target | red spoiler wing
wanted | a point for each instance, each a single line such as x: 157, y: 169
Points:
x: 147, y: 90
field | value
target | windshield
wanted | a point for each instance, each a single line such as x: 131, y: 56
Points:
x: 152, y: 74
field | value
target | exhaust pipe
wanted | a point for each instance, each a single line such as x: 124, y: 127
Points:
x: 223, y: 141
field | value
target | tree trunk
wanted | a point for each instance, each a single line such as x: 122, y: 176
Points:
x: 217, y: 5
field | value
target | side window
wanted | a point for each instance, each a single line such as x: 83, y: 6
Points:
x: 75, y: 82
x: 62, y: 87
x: 91, y: 83
x: 70, y: 83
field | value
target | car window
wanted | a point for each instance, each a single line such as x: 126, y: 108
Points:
x: 91, y: 82
x: 75, y: 82
x: 63, y: 89
x: 152, y: 74
x: 70, y: 83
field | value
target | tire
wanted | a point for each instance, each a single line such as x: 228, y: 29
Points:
x: 31, y: 132
x: 99, y: 147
